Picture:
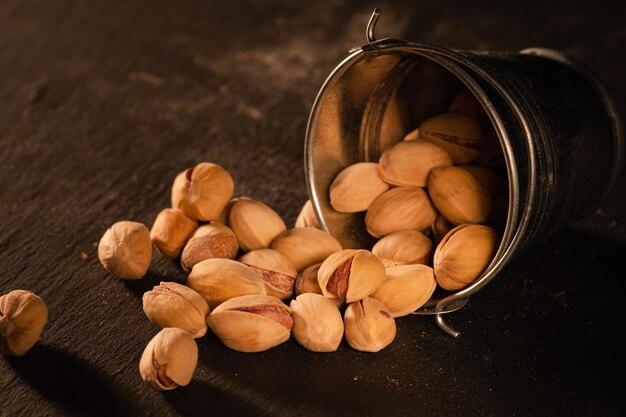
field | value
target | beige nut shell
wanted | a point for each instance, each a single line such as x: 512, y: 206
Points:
x: 213, y: 240
x: 171, y: 230
x: 125, y: 250
x: 276, y: 269
x: 317, y: 322
x: 356, y: 186
x: 368, y: 325
x: 460, y: 135
x: 307, y: 217
x: 306, y: 246
x: 408, y: 163
x: 405, y: 247
x: 407, y: 288
x: 255, y: 224
x: 23, y: 316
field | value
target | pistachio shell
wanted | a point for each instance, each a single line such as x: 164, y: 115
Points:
x: 171, y: 230
x: 23, y: 316
x: 125, y: 250
x: 440, y: 228
x: 213, y: 240
x: 223, y: 217
x: 487, y: 177
x: 275, y: 269
x: 460, y: 135
x: 170, y: 304
x: 458, y: 195
x: 466, y: 103
x: 406, y: 288
x: 255, y: 224
x: 306, y: 282
x: 218, y: 280
x: 412, y: 135
x: 408, y: 163
x: 251, y: 323
x: 400, y: 208
x: 351, y: 274
x: 463, y: 255
x: 404, y: 247
x: 355, y: 187
x: 317, y: 322
x: 307, y: 217
x: 169, y: 360
x: 203, y: 191
x: 306, y: 246
x: 368, y: 325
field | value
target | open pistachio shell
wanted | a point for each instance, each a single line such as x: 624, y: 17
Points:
x: 306, y: 282
x: 460, y: 135
x: 306, y: 246
x: 276, y: 269
x: 317, y: 322
x: 368, y: 325
x: 406, y: 288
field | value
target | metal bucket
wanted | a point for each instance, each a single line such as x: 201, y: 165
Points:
x: 559, y: 132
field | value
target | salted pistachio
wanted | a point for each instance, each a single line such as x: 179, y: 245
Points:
x: 305, y: 246
x: 317, y: 322
x: 408, y: 163
x: 460, y: 135
x: 487, y: 177
x: 350, y: 274
x: 492, y: 155
x: 171, y: 230
x: 412, y: 135
x: 401, y: 208
x: 169, y: 360
x: 212, y: 240
x: 404, y: 247
x: 394, y: 121
x: 306, y: 282
x: 170, y: 304
x: 466, y: 103
x: 406, y: 288
x: 463, y: 255
x: 307, y: 217
x: 368, y: 325
x: 218, y: 280
x: 251, y: 323
x: 125, y: 250
x: 356, y: 186
x: 23, y: 316
x: 203, y: 191
x: 440, y: 228
x: 458, y: 195
x: 274, y: 268
x: 255, y: 224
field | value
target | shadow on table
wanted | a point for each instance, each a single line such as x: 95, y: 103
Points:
x: 69, y: 381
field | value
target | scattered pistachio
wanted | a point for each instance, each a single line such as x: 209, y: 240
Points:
x: 406, y: 288
x: 306, y: 246
x: 255, y: 224
x: 276, y: 269
x: 213, y: 240
x: 307, y: 217
x: 368, y: 325
x: 23, y: 316
x: 125, y: 250
x: 356, y: 186
x: 404, y: 247
x: 171, y: 230
x: 317, y: 322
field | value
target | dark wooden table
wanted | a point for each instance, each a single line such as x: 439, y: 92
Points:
x: 102, y: 103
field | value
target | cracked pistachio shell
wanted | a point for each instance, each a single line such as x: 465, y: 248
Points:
x: 460, y: 135
x: 463, y: 255
x: 23, y: 316
x: 306, y: 282
x: 203, y: 191
x: 408, y: 163
x: 406, y: 288
x: 170, y: 304
x: 405, y: 247
x: 458, y: 195
x: 356, y: 186
x: 351, y: 274
x: 275, y: 269
x: 218, y: 280
x: 368, y: 325
x: 306, y: 246
x: 307, y: 217
x: 213, y: 240
x: 169, y: 360
x: 125, y: 250
x: 171, y: 230
x: 400, y: 208
x: 487, y: 177
x: 317, y: 322
x: 466, y: 103
x: 255, y: 224
x: 251, y: 323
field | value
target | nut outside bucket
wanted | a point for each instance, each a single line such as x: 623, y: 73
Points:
x: 558, y: 128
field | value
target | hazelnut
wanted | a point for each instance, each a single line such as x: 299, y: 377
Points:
x: 306, y: 246
x: 170, y: 232
x: 460, y: 135
x: 23, y: 316
x: 408, y: 163
x: 355, y: 187
x: 254, y: 223
x: 213, y: 240
x: 125, y: 250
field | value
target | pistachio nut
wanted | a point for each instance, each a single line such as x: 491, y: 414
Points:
x: 440, y: 228
x: 466, y: 103
x: 223, y: 217
x: 406, y: 288
x: 212, y: 240
x: 170, y: 304
x: 23, y: 316
x: 251, y: 323
x: 458, y: 195
x: 171, y: 230
x: 202, y: 192
x: 317, y: 322
x: 306, y: 246
x: 400, y: 208
x: 463, y: 255
x: 368, y: 325
x: 218, y: 280
x: 460, y: 135
x: 306, y: 282
x: 254, y: 223
x: 275, y: 269
x: 169, y: 360
x: 356, y: 186
x: 408, y: 163
x: 125, y: 250
x: 487, y: 177
x: 350, y: 274
x: 412, y: 135
x: 405, y: 247
x: 307, y: 217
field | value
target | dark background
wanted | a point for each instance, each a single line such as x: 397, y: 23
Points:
x: 102, y: 103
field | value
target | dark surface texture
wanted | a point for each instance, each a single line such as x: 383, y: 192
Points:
x: 102, y: 103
